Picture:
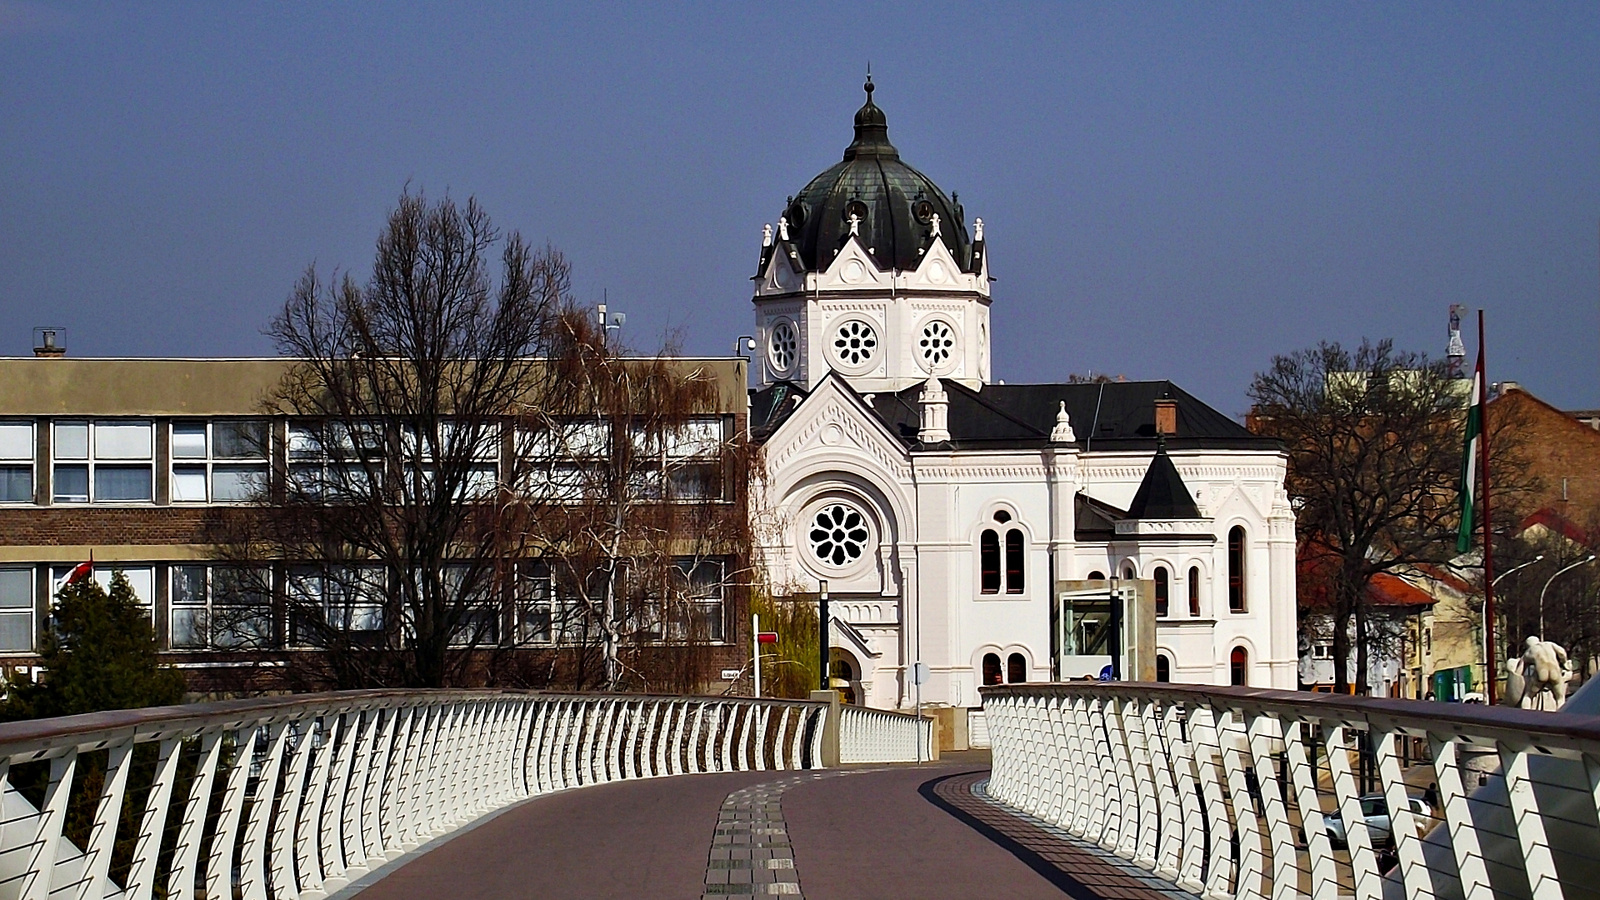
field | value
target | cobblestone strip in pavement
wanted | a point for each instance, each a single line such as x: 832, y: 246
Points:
x: 1082, y: 870
x: 751, y: 855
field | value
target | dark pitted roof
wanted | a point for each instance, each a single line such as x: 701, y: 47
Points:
x: 1105, y: 416
x: 895, y: 202
x: 1162, y: 494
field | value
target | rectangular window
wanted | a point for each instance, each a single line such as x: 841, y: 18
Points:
x: 332, y: 460
x: 220, y: 607
x: 535, y: 599
x: 16, y: 462
x: 219, y: 461
x: 142, y: 579
x: 104, y: 461
x: 329, y: 600
x: 705, y: 587
x: 16, y: 610
x: 470, y: 591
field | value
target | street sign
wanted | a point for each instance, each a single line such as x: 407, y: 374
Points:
x: 766, y: 637
x: 731, y: 674
x: 919, y: 673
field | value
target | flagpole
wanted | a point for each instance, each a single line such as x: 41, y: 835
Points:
x: 1489, y: 674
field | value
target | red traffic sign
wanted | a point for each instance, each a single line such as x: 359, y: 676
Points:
x: 766, y: 637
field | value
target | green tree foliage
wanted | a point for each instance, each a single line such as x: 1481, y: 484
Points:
x: 788, y: 668
x: 99, y: 654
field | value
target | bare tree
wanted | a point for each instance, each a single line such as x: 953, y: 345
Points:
x: 641, y: 532
x: 1374, y: 438
x: 386, y: 523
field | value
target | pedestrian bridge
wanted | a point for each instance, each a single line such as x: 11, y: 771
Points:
x: 1096, y: 790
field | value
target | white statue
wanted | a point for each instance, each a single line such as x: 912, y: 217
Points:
x: 977, y: 229
x: 855, y: 224
x: 1543, y: 667
x: 783, y: 228
x: 935, y: 218
x: 766, y: 235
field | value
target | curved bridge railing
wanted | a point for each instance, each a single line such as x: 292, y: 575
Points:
x: 876, y: 736
x: 1236, y: 792
x: 300, y: 796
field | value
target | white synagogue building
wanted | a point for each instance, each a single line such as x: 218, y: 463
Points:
x: 943, y: 509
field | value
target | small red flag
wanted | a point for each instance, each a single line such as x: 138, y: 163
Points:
x: 79, y: 572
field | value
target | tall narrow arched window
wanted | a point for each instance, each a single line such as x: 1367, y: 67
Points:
x: 1127, y: 574
x: 1163, y: 591
x: 1238, y: 666
x: 1016, y: 669
x: 1194, y: 591
x: 1163, y: 668
x: 1236, y: 599
x: 1014, y: 561
x: 991, y: 668
x: 989, y: 561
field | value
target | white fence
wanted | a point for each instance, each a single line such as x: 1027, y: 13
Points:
x: 299, y: 796
x: 877, y: 736
x: 1236, y: 792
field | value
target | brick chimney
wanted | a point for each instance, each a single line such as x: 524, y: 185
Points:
x: 1166, y: 417
x: 45, y: 344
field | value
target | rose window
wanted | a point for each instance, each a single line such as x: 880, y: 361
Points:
x: 783, y: 349
x: 838, y: 535
x: 855, y: 343
x: 938, y: 342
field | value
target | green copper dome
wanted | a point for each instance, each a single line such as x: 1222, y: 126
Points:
x: 895, y: 205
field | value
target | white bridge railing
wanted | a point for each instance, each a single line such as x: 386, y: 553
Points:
x: 877, y: 736
x: 1236, y: 792
x: 299, y: 796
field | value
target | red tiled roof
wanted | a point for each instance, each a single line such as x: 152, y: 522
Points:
x: 1392, y: 590
x: 1558, y: 523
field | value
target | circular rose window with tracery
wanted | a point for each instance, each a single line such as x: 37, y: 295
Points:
x: 855, y: 343
x: 838, y: 535
x: 784, y: 346
x: 937, y: 345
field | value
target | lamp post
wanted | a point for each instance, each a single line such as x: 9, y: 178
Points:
x: 1483, y: 612
x: 1586, y: 559
x: 822, y: 630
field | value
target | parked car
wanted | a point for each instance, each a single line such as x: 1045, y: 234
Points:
x: 1375, y: 809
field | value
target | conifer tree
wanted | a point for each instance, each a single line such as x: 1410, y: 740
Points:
x: 98, y: 654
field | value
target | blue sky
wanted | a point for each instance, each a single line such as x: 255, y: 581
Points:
x: 1169, y: 191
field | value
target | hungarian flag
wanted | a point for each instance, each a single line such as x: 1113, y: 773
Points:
x: 78, y: 573
x: 1469, y: 459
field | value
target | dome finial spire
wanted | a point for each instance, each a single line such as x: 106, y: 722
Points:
x: 868, y: 86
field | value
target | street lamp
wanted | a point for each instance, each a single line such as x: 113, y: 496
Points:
x: 1586, y: 559
x: 1483, y: 613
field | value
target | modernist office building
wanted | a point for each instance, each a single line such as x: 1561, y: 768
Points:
x: 135, y: 462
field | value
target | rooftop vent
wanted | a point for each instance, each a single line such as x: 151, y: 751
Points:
x: 1166, y: 416
x: 47, y: 342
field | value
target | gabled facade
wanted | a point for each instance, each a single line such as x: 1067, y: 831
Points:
x: 942, y: 509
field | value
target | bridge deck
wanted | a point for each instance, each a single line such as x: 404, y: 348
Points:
x: 870, y: 832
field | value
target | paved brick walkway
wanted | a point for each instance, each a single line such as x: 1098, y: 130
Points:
x: 859, y: 834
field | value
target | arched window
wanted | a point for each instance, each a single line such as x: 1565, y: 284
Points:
x: 989, y: 561
x: 1163, y: 587
x: 1014, y: 561
x: 1236, y: 569
x: 1194, y: 591
x: 1016, y: 669
x: 991, y: 668
x: 1163, y: 668
x: 1097, y: 576
x: 1127, y: 574
x: 1238, y: 666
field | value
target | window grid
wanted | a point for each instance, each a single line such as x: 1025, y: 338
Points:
x: 219, y: 608
x: 103, y: 461
x: 219, y: 461
x: 16, y: 609
x: 16, y: 462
